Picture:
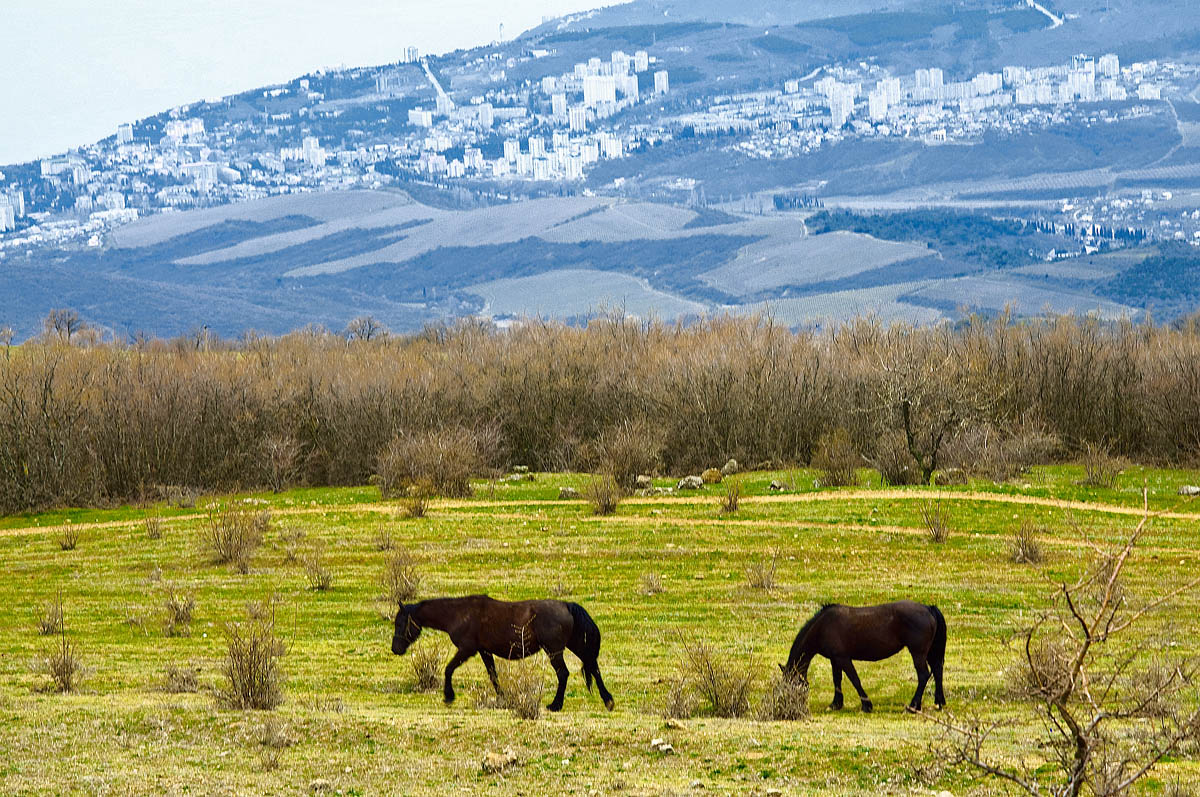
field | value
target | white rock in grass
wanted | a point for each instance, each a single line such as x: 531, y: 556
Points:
x: 690, y: 483
x: 1189, y: 489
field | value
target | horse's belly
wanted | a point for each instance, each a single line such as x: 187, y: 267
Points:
x: 870, y: 653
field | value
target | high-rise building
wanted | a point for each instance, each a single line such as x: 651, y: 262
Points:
x: 487, y: 114
x: 558, y: 104
x: 877, y: 104
x: 620, y: 62
x: 16, y: 200
x: 537, y: 146
x: 512, y: 149
x: 841, y: 107
x: 1082, y: 83
x: 549, y: 84
x: 419, y: 117
x: 891, y: 89
x: 662, y: 82
x: 598, y: 89
x: 8, y: 217
x: 641, y: 61
x: 1110, y: 65
x: 444, y: 104
x: 577, y: 118
x: 125, y: 134
x: 410, y: 55
x: 627, y: 84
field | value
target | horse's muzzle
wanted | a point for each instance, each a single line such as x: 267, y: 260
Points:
x: 399, y: 646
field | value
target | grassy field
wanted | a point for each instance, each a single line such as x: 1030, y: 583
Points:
x: 352, y: 722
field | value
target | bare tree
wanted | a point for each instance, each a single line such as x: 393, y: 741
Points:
x: 365, y: 327
x: 281, y: 461
x: 63, y: 323
x: 1112, y: 709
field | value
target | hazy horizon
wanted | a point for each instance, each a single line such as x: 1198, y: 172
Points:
x: 80, y: 69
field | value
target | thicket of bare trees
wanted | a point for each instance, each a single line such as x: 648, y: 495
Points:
x: 85, y: 422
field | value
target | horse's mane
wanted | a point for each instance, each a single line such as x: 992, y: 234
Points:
x: 804, y: 629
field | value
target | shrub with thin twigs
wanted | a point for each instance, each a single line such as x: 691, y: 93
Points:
x: 416, y: 502
x: 603, y: 493
x: 446, y: 457
x: 383, y: 540
x: 1024, y: 547
x: 722, y: 683
x: 786, y: 700
x: 427, y: 666
x: 61, y: 662
x: 732, y: 497
x: 51, y: 619
x: 651, y: 584
x: 154, y: 527
x: 522, y: 684
x: 232, y: 534
x: 319, y: 576
x: 179, y: 607
x: 68, y: 538
x: 681, y: 703
x: 252, y: 669
x: 292, y: 538
x: 836, y: 459
x: 761, y: 572
x: 627, y: 449
x: 895, y: 462
x: 401, y: 580
x: 936, y: 519
x: 1100, y: 468
x: 182, y: 679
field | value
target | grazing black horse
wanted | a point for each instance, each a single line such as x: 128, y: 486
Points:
x: 510, y: 630
x: 843, y: 634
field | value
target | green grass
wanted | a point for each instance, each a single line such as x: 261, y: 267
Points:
x: 355, y: 721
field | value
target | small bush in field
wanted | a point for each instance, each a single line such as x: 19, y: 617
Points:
x: 445, y: 458
x: 761, y: 573
x: 416, y: 503
x: 628, y: 449
x: 62, y: 662
x: 603, y: 493
x: 383, y: 540
x: 723, y: 684
x: 681, y: 701
x: 68, y: 538
x: 319, y: 576
x: 427, y: 662
x: 651, y: 584
x: 522, y: 684
x: 292, y: 538
x: 231, y: 535
x: 936, y: 519
x: 51, y: 620
x: 732, y: 497
x: 181, y: 679
x: 1100, y: 468
x: 154, y: 527
x: 787, y: 700
x: 252, y: 669
x: 895, y: 462
x: 401, y: 580
x: 1024, y: 547
x: 712, y: 476
x: 836, y: 459
x: 179, y: 608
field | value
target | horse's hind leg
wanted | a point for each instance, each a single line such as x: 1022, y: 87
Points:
x: 560, y: 669
x: 489, y: 664
x: 852, y: 674
x: 939, y: 697
x: 838, y: 701
x: 459, y: 658
x: 922, y: 667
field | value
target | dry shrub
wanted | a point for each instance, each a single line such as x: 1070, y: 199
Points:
x: 253, y: 673
x: 416, y: 503
x: 603, y: 493
x: 154, y: 527
x: 984, y: 451
x: 651, y: 584
x: 51, y: 619
x: 786, y: 700
x: 732, y: 497
x: 522, y: 685
x: 180, y: 497
x: 936, y: 519
x: 232, y: 534
x: 1100, y: 468
x: 68, y: 538
x: 681, y: 700
x: 628, y: 449
x: 427, y: 666
x: 1043, y: 673
x: 722, y: 683
x: 446, y: 458
x: 761, y: 572
x: 383, y: 537
x: 182, y: 679
x: 281, y: 461
x: 712, y: 476
x: 1024, y: 547
x: 179, y: 607
x: 401, y: 581
x: 895, y: 462
x: 292, y: 538
x: 61, y: 662
x: 319, y: 576
x: 836, y: 459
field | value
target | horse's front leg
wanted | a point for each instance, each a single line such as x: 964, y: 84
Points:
x: 459, y: 657
x: 560, y: 669
x: 838, y: 702
x: 490, y: 664
x: 852, y: 674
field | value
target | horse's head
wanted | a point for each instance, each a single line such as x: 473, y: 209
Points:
x: 407, y: 630
x: 793, y: 672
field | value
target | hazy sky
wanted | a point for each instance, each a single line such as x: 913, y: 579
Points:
x: 75, y: 69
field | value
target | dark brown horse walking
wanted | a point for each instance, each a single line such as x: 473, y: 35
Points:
x: 844, y: 634
x: 510, y: 630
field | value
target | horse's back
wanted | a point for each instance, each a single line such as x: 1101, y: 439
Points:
x: 873, y: 633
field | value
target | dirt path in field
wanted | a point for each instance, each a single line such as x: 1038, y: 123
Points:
x: 384, y: 508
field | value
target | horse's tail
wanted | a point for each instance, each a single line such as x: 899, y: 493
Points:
x: 585, y: 641
x: 937, y: 651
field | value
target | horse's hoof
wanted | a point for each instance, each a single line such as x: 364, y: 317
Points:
x: 553, y: 707
x: 448, y: 700
x: 835, y: 706
x: 609, y: 704
x: 913, y: 709
x: 940, y: 706
x: 867, y: 707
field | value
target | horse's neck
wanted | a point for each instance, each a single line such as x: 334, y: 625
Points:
x: 440, y: 614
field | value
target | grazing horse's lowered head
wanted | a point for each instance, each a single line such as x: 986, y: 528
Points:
x: 407, y: 630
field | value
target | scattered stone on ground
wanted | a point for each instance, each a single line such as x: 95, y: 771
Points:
x: 520, y: 469
x: 644, y: 481
x: 567, y: 493
x: 690, y: 483
x: 730, y: 467
x: 712, y: 476
x: 776, y: 485
x: 662, y: 746
x: 320, y: 786
x: 1189, y: 489
x: 498, y: 762
x: 675, y: 724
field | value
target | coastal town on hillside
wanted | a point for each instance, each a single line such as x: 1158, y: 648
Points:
x: 472, y: 125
